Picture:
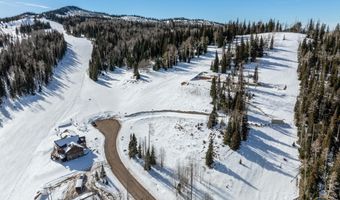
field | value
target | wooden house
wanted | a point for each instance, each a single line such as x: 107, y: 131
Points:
x: 69, y: 148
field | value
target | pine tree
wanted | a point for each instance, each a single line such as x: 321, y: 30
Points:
x: 253, y: 48
x: 213, y: 92
x: 216, y: 63
x: 271, y: 43
x: 236, y: 137
x: 260, y: 48
x: 139, y: 151
x: 209, y: 156
x: 212, y: 121
x: 133, y: 146
x: 224, y: 64
x: 153, y: 156
x: 227, y: 133
x: 147, y: 161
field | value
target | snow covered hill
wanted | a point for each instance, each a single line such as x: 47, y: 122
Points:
x: 73, y: 100
x: 70, y: 11
x: 269, y: 162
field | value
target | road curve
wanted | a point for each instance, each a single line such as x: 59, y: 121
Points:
x: 110, y: 129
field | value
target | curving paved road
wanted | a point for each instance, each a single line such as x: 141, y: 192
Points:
x: 110, y: 129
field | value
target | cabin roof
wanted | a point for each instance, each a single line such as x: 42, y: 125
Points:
x: 72, y: 145
x: 67, y: 140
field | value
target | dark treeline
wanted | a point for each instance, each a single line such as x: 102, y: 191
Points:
x: 317, y: 113
x: 136, y: 44
x: 27, y: 65
x: 37, y: 25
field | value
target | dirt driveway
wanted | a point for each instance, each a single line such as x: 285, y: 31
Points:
x: 110, y: 129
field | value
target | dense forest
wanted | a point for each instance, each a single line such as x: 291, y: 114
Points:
x: 26, y: 64
x: 317, y: 113
x: 161, y: 44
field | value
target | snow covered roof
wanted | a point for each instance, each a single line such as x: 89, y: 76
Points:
x: 71, y: 145
x: 67, y: 140
x: 79, y: 183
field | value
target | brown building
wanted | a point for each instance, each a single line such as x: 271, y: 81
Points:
x: 68, y: 148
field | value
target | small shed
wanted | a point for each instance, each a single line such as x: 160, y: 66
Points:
x: 278, y: 121
x: 79, y: 186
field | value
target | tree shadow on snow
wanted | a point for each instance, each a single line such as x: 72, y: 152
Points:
x: 58, y: 84
x: 218, y: 166
x: 256, y: 151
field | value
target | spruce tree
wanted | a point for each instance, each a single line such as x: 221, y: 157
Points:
x: 213, y: 92
x: 227, y: 133
x: 209, y: 156
x: 133, y: 146
x: 147, y: 160
x: 139, y: 151
x: 224, y: 64
x: 260, y: 48
x: 212, y: 121
x: 216, y: 63
x: 153, y: 156
x: 236, y: 137
x: 271, y: 43
x: 253, y: 48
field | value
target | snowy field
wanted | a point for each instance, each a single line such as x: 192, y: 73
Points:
x: 269, y: 161
x: 72, y: 100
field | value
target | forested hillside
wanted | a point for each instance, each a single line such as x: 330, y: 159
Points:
x: 27, y: 60
x: 161, y: 43
x: 317, y: 113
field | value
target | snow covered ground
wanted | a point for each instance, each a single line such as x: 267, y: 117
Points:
x: 269, y: 161
x: 29, y: 126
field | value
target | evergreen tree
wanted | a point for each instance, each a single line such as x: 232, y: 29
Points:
x: 147, y: 161
x: 236, y: 137
x: 227, y: 133
x: 271, y: 43
x: 224, y: 63
x: 260, y: 48
x: 253, y: 48
x: 139, y: 151
x: 216, y: 63
x: 209, y: 156
x: 153, y: 156
x: 213, y: 92
x: 133, y: 146
x: 212, y: 121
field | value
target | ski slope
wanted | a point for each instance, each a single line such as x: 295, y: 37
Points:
x: 72, y: 100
